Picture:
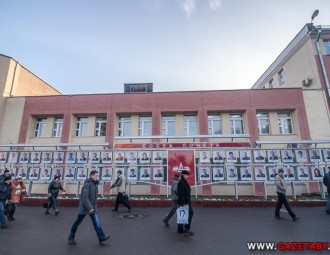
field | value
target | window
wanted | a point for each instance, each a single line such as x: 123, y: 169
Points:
x: 281, y: 78
x: 81, y: 126
x: 263, y: 123
x: 40, y: 127
x: 214, y: 124
x: 190, y: 125
x: 236, y: 124
x: 271, y: 83
x: 327, y: 46
x: 124, y: 126
x: 145, y: 125
x: 285, y: 123
x: 168, y: 125
x: 100, y: 126
x: 58, y: 124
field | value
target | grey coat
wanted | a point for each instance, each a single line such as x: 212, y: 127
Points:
x: 88, y: 197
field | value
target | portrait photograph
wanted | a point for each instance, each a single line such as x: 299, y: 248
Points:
x: 218, y: 174
x: 204, y: 157
x: 94, y: 157
x: 303, y: 173
x: 157, y: 157
x: 158, y: 173
x: 131, y: 157
x: 107, y: 173
x: 132, y: 174
x: 301, y: 155
x: 3, y: 157
x: 315, y: 155
x: 46, y: 157
x: 246, y: 174
x: 34, y: 173
x: 145, y: 173
x: 272, y: 172
x: 260, y: 173
x: 289, y: 173
x: 287, y: 156
x: 326, y: 155
x: 317, y: 173
x: 12, y: 157
x: 22, y: 172
x: 231, y: 156
x: 45, y: 173
x: 57, y: 171
x: 58, y: 157
x: 106, y: 157
x: 24, y: 157
x: 259, y: 156
x: 204, y: 173
x: 218, y: 156
x: 70, y: 173
x: 144, y: 156
x: 231, y: 173
x: 119, y: 157
x: 70, y: 157
x: 82, y: 173
x: 273, y: 155
x: 245, y: 156
x: 82, y: 157
x: 35, y: 157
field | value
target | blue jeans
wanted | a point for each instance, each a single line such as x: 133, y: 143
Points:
x: 172, y: 212
x: 53, y: 202
x: 96, y: 223
x: 327, y: 207
x: 3, y: 220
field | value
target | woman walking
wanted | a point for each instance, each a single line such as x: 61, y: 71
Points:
x: 53, y: 190
x: 18, y: 188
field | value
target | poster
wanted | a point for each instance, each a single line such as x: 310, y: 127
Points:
x: 179, y: 160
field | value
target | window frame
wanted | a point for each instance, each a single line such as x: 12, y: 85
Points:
x: 40, y: 127
x: 144, y: 122
x: 211, y: 119
x: 326, y: 44
x: 57, y: 127
x: 281, y: 121
x: 80, y: 123
x: 167, y: 122
x: 100, y: 121
x: 122, y: 122
x: 281, y: 78
x: 188, y: 121
x: 259, y: 122
x: 233, y: 120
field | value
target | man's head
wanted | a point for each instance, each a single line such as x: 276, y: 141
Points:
x: 217, y: 171
x: 119, y: 172
x: 132, y: 171
x: 159, y: 171
x: 302, y: 171
x: 286, y: 153
x: 145, y: 171
x: 7, y: 179
x: 300, y: 153
x: 6, y: 172
x: 46, y: 171
x: 70, y: 155
x: 259, y: 171
x: 107, y: 170
x: 244, y: 154
x: 83, y: 154
x: 94, y: 175
x: 95, y: 155
x: 204, y: 171
x: 185, y: 174
x: 231, y: 171
x: 246, y: 171
x: 274, y: 171
x: 281, y: 172
x: 56, y: 178
x: 288, y: 171
x: 272, y: 153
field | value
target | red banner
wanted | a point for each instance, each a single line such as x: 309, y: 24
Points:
x: 179, y: 160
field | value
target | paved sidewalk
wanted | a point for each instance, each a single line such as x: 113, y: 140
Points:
x: 217, y: 231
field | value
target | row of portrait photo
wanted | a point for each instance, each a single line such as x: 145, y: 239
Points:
x: 81, y: 173
x: 71, y: 157
x: 262, y: 156
x: 261, y: 173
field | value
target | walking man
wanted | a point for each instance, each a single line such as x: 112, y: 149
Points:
x: 87, y: 205
x: 120, y: 183
x: 326, y: 182
x: 281, y: 190
x: 53, y: 189
x: 174, y: 194
x: 184, y: 192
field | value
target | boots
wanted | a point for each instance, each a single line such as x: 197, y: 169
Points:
x: 11, y: 214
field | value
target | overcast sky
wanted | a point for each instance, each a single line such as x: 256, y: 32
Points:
x: 84, y: 47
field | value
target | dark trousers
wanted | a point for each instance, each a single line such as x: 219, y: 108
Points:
x: 283, y: 201
x: 181, y: 227
x: 96, y: 223
x: 122, y: 199
x: 52, y: 203
x: 172, y: 212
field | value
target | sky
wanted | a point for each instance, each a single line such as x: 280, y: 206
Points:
x: 92, y: 47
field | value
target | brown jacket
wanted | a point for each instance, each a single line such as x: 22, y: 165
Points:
x: 17, y: 188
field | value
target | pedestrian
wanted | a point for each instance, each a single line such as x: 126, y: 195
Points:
x: 5, y: 199
x: 88, y: 206
x: 281, y: 190
x: 184, y: 192
x: 174, y: 194
x: 121, y: 198
x: 18, y: 188
x: 326, y: 182
x: 53, y: 189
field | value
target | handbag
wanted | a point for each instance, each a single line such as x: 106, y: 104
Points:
x: 182, y: 214
x: 46, y: 203
x: 24, y: 196
x: 8, y: 208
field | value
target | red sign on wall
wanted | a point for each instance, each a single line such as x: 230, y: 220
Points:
x: 179, y: 160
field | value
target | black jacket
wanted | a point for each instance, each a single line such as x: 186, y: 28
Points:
x: 184, y: 191
x: 326, y: 181
x: 5, y: 192
x: 54, y: 188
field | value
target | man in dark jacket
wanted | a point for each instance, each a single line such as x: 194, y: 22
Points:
x: 5, y: 197
x: 87, y: 205
x: 53, y: 189
x: 326, y: 182
x: 184, y: 199
x: 174, y: 193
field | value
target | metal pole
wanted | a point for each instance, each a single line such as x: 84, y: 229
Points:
x: 322, y: 190
x: 265, y: 190
x: 293, y: 191
x: 236, y: 192
x: 30, y: 188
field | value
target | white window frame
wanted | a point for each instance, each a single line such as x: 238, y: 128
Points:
x: 281, y: 78
x: 122, y: 123
x: 40, y: 127
x: 100, y: 126
x: 284, y: 123
x: 82, y: 126
x: 261, y: 117
x: 190, y: 121
x: 212, y: 120
x: 145, y: 125
x: 167, y: 122
x: 58, y: 125
x: 271, y: 83
x: 236, y: 117
x: 326, y: 44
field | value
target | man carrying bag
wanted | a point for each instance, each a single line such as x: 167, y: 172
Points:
x: 184, y: 192
x: 122, y: 198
